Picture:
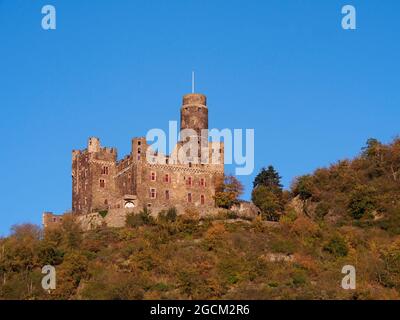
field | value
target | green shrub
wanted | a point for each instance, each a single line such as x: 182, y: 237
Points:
x: 299, y: 278
x: 337, y: 246
x: 282, y: 246
x: 103, y: 213
x: 140, y: 219
x: 303, y: 187
x: 232, y: 214
x: 361, y: 202
x: 171, y: 214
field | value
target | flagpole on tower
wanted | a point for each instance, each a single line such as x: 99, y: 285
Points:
x: 193, y: 82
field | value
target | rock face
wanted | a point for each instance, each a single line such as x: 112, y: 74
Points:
x: 278, y: 257
x: 247, y: 209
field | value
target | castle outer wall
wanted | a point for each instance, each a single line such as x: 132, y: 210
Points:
x: 102, y: 183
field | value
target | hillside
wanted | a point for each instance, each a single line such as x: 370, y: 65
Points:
x: 347, y: 214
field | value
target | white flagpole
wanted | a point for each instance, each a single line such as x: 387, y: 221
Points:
x: 192, y: 81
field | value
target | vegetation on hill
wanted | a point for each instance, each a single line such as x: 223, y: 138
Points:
x: 364, y: 192
x: 347, y: 214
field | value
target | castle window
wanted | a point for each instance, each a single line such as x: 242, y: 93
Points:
x: 189, y: 181
x: 104, y: 170
x: 153, y: 193
x: 190, y: 164
x: 202, y: 182
x: 189, y: 197
x: 202, y: 199
x: 166, y: 194
x: 139, y: 143
x: 102, y: 183
x: 167, y: 178
x: 106, y: 202
x: 139, y: 151
x: 153, y: 176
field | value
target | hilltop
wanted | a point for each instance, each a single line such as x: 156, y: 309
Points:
x: 346, y: 214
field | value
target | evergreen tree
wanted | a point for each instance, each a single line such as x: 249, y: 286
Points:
x: 269, y: 178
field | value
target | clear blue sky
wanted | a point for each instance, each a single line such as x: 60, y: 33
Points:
x: 313, y: 92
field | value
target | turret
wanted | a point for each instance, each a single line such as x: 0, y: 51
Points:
x: 194, y: 112
x: 93, y: 144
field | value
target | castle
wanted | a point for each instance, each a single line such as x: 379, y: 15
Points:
x: 105, y: 189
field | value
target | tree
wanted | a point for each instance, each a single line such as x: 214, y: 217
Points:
x: 140, y: 219
x: 270, y: 179
x: 303, y: 187
x: 269, y: 202
x: 228, y: 191
x: 362, y: 201
x: 372, y: 148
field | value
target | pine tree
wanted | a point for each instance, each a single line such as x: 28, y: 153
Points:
x: 268, y: 178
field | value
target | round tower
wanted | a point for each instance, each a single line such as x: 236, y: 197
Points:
x: 194, y: 113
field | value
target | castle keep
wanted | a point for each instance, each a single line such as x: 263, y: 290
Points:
x: 103, y: 184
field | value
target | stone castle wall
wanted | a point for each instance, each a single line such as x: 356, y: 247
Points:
x: 100, y: 182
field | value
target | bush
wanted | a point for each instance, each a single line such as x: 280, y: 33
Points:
x: 303, y: 187
x: 232, y: 214
x: 171, y: 214
x: 361, y: 202
x: 337, y: 246
x: 140, y: 219
x: 103, y: 213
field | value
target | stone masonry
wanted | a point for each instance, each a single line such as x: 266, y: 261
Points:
x: 101, y: 183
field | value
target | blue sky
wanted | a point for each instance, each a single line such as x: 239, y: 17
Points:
x: 313, y: 92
